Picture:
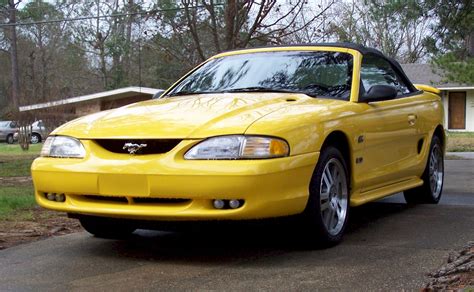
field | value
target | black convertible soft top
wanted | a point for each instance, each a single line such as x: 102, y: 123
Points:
x: 361, y: 49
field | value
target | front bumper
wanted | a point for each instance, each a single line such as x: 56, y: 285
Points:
x: 269, y: 188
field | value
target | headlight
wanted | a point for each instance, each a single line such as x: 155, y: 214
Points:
x: 239, y: 147
x: 62, y: 146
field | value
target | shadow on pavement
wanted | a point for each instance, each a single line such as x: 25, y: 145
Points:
x: 228, y: 242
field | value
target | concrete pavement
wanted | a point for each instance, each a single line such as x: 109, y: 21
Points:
x: 389, y: 246
x: 461, y: 155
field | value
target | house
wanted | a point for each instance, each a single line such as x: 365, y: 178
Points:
x: 458, y: 99
x: 69, y: 108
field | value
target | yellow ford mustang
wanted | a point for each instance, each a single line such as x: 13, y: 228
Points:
x: 250, y: 134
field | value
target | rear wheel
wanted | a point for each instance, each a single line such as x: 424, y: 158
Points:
x: 10, y: 139
x: 107, y: 227
x: 430, y: 191
x: 35, y: 138
x: 327, y: 210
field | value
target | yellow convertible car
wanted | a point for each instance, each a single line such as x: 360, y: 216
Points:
x: 250, y: 134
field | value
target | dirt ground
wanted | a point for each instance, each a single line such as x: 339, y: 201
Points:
x: 14, y: 181
x: 457, y: 274
x: 40, y: 225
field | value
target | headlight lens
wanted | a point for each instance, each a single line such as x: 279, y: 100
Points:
x: 239, y: 147
x: 62, y: 146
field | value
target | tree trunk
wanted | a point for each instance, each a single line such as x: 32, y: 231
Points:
x: 14, y: 57
x: 230, y: 15
x: 44, y: 75
x: 128, y: 53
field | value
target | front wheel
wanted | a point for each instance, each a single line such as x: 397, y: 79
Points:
x: 327, y: 210
x: 107, y: 227
x: 10, y: 139
x: 430, y: 191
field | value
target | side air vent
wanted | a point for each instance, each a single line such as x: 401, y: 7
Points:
x: 420, y: 145
x: 144, y: 146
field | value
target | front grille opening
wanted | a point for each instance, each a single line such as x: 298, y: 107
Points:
x: 159, y: 201
x: 107, y: 199
x: 153, y: 146
x: 135, y: 200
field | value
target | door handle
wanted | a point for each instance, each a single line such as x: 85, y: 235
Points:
x: 412, y: 119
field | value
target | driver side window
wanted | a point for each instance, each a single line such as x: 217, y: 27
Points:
x: 377, y: 71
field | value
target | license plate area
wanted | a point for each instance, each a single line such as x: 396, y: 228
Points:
x: 124, y: 185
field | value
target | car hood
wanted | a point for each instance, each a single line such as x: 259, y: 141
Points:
x: 191, y: 116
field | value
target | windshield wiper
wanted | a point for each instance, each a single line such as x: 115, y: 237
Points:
x: 188, y: 93
x: 258, y: 89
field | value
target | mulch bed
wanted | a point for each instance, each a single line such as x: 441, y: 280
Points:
x: 41, y: 225
x: 457, y: 274
x: 14, y: 181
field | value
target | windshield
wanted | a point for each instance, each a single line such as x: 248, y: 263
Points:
x: 4, y: 124
x: 322, y: 74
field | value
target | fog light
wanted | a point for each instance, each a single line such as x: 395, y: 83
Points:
x: 234, y: 204
x: 218, y: 204
x: 60, y: 198
x: 51, y: 196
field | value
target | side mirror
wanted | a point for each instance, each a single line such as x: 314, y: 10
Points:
x: 158, y: 94
x: 378, y: 93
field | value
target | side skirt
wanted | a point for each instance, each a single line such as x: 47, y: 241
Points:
x: 385, y: 191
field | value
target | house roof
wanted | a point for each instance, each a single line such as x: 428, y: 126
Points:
x: 426, y: 74
x: 108, y: 95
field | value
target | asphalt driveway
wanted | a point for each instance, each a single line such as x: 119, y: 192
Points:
x: 389, y: 246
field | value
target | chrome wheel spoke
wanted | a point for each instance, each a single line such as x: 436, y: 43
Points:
x: 333, y: 220
x: 324, y: 206
x: 324, y: 195
x: 339, y: 211
x: 328, y: 216
x: 327, y: 177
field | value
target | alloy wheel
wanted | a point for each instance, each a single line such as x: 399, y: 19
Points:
x: 334, y: 196
x: 34, y: 139
x: 436, y: 171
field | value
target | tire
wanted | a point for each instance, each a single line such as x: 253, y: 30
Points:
x: 35, y: 138
x: 10, y: 139
x: 327, y: 210
x: 433, y: 175
x: 107, y: 227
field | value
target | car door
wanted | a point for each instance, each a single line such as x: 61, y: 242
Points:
x: 388, y: 128
x: 3, y: 130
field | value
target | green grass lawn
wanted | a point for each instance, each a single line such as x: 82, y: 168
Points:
x: 15, y: 167
x: 15, y: 149
x: 13, y: 199
x: 16, y: 162
x: 16, y: 201
x: 460, y: 142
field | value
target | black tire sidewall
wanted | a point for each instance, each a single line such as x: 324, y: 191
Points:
x: 10, y: 139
